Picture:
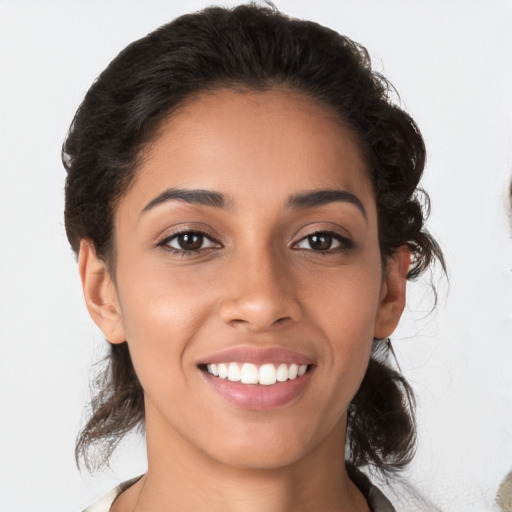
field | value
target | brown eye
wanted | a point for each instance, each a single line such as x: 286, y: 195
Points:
x: 320, y: 241
x: 190, y: 241
x: 324, y: 241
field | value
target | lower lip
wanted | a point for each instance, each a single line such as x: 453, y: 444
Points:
x: 256, y: 396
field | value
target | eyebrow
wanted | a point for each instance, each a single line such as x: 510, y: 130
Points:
x: 201, y: 197
x: 321, y: 197
x: 219, y: 200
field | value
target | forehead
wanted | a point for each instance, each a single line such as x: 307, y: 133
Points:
x: 246, y: 143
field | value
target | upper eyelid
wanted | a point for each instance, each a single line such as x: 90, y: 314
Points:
x: 170, y: 235
x: 165, y: 243
x: 345, y: 241
x: 337, y: 233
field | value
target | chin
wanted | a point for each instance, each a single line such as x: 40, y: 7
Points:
x: 260, y: 458
x: 272, y: 446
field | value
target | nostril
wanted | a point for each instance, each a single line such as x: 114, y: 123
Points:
x: 282, y: 320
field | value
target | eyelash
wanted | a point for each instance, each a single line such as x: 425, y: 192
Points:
x: 345, y: 244
x: 164, y: 244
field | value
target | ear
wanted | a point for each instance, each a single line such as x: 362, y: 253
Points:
x: 392, y: 297
x: 100, y: 293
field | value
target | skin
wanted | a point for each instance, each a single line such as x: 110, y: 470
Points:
x: 259, y: 283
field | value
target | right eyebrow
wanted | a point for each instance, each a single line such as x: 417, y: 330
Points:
x: 194, y: 196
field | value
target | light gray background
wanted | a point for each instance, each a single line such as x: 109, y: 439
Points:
x: 451, y: 62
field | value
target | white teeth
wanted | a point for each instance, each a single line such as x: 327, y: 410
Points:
x: 223, y: 370
x: 249, y: 374
x: 282, y: 372
x: 233, y: 372
x: 266, y: 375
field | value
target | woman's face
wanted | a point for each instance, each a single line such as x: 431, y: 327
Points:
x: 247, y: 246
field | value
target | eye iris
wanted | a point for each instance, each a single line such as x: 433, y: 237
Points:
x: 190, y: 241
x: 320, y: 242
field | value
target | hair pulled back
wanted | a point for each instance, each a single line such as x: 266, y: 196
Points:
x: 246, y: 48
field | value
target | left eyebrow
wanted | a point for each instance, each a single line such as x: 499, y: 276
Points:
x: 321, y: 197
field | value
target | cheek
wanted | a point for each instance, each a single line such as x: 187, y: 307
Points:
x: 346, y: 308
x: 343, y: 312
x: 161, y: 311
x: 347, y: 300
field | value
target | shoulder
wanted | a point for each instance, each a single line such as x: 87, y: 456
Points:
x: 376, y: 499
x: 104, y: 504
x: 391, y: 494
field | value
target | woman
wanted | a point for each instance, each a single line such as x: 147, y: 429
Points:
x: 241, y: 195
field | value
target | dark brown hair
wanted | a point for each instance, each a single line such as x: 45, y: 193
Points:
x: 252, y: 48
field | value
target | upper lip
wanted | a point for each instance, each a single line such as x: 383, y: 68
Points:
x: 257, y: 355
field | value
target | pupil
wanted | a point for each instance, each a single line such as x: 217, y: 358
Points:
x: 320, y: 242
x: 190, y: 241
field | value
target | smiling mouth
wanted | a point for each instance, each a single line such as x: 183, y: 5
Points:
x: 266, y: 374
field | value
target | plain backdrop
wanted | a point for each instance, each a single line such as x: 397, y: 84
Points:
x: 451, y: 62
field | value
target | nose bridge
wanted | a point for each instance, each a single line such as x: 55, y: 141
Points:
x: 261, y: 289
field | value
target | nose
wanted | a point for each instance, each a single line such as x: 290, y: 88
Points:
x: 261, y: 293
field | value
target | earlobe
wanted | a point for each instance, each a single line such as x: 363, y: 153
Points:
x: 392, y: 300
x: 100, y: 293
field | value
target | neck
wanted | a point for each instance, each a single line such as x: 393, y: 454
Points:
x: 181, y: 478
